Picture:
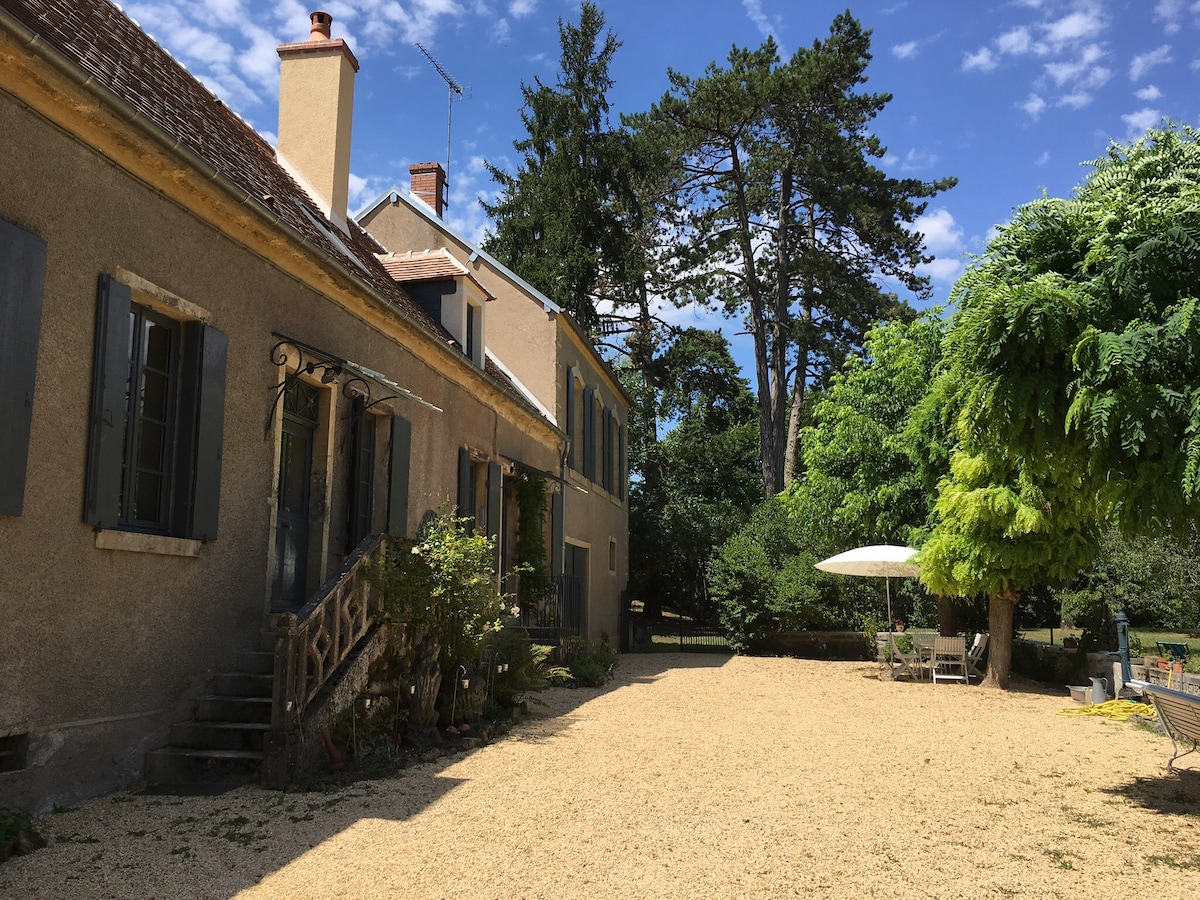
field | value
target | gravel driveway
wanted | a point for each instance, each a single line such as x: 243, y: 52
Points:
x: 691, y: 776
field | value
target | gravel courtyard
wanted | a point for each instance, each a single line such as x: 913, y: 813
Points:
x: 688, y: 776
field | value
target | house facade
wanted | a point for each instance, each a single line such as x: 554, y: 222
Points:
x: 214, y: 388
x: 545, y: 353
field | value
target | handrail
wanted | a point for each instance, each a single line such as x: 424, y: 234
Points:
x: 311, y: 644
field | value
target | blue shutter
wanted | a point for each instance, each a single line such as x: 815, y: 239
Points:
x: 607, y: 442
x: 465, y: 500
x: 212, y: 350
x: 622, y: 464
x: 495, y: 482
x: 589, y: 434
x: 22, y: 279
x: 110, y: 375
x: 558, y: 529
x: 398, y: 467
x: 570, y: 423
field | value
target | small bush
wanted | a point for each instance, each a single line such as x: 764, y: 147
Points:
x: 591, y: 663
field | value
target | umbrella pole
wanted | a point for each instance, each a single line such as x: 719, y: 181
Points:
x: 888, y: 587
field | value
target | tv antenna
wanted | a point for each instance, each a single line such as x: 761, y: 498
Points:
x: 456, y: 90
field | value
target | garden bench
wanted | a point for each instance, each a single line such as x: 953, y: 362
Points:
x: 1179, y: 714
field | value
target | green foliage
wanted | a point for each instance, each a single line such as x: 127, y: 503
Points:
x: 556, y: 218
x: 783, y: 219
x: 764, y: 580
x: 591, y: 663
x: 529, y: 552
x: 528, y: 664
x: 442, y: 585
x: 872, y: 454
x: 696, y: 486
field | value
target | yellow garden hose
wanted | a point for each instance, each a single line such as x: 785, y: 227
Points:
x: 1117, y: 710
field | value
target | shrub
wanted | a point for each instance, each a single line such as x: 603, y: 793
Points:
x: 591, y: 663
x: 764, y: 580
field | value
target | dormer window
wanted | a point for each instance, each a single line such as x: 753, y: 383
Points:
x: 447, y: 291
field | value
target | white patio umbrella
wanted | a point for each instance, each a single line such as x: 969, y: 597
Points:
x: 886, y: 561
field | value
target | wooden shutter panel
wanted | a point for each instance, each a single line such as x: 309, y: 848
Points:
x: 110, y: 375
x: 398, y: 468
x: 622, y: 465
x: 22, y: 279
x: 607, y: 441
x: 464, y: 484
x: 212, y: 350
x: 495, y: 482
x: 571, y: 413
x: 558, y: 529
x: 589, y: 434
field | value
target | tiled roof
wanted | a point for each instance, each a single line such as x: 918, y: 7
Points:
x: 428, y: 265
x: 101, y: 40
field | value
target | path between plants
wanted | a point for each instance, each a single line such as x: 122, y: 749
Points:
x: 688, y: 776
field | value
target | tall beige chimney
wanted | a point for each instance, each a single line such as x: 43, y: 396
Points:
x: 428, y: 183
x: 316, y: 103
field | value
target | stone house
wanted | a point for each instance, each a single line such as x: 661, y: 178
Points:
x: 215, y: 391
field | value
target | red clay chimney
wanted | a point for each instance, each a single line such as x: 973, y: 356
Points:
x: 428, y: 183
x: 320, y: 25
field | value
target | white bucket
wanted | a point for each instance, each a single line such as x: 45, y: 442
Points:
x: 1099, y: 690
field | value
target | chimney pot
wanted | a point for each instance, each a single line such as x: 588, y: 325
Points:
x: 320, y: 26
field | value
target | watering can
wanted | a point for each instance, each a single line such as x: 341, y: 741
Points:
x: 1099, y: 690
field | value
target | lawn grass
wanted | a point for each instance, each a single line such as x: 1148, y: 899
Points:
x: 1148, y: 638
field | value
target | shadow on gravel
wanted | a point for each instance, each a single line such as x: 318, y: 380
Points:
x: 1174, y: 794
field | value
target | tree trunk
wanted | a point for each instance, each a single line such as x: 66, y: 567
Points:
x: 947, y: 626
x: 427, y: 677
x: 1001, y: 607
x: 791, y: 457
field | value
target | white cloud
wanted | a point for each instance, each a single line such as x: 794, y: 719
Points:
x: 1144, y: 62
x: 1168, y: 12
x: 1042, y: 160
x: 1033, y: 106
x: 983, y: 60
x: 1015, y: 42
x: 942, y: 234
x: 762, y: 22
x: 907, y: 50
x: 1081, y: 25
x: 501, y: 32
x: 1149, y: 93
x: 1139, y: 122
x: 916, y: 160
x: 1077, y: 100
x: 1079, y: 68
x: 519, y: 9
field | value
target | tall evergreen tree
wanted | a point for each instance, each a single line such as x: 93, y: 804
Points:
x: 784, y: 219
x: 555, y: 219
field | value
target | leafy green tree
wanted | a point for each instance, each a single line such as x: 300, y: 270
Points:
x: 556, y: 219
x: 1072, y: 381
x: 706, y: 465
x: 783, y: 219
x: 866, y: 456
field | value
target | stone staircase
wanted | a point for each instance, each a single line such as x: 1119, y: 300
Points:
x: 222, y: 744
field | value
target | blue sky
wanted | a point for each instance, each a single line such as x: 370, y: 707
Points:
x: 1010, y: 96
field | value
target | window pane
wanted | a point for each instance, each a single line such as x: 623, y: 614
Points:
x: 147, y: 494
x: 151, y: 442
x: 155, y: 387
x: 158, y: 347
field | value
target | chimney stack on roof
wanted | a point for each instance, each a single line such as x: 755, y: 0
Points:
x: 316, y: 104
x: 428, y: 184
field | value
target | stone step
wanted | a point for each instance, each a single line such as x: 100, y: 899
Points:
x: 219, y: 735
x: 176, y: 766
x: 257, y: 662
x: 243, y: 684
x: 233, y: 709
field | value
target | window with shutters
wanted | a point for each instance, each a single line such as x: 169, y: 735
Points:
x: 362, y: 474
x: 154, y: 456
x: 22, y: 277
